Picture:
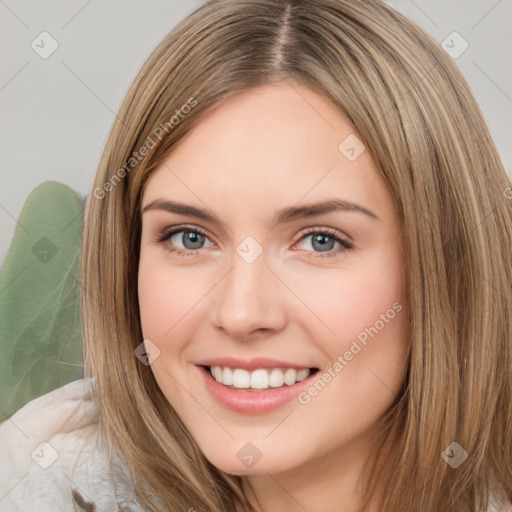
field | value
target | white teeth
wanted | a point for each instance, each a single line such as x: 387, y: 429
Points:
x: 241, y: 378
x: 302, y: 374
x: 290, y: 376
x: 227, y: 376
x: 276, y: 379
x: 258, y: 379
x: 217, y: 373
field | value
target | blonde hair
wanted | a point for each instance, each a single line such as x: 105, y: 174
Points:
x: 416, y: 115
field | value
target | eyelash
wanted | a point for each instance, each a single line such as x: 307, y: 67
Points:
x: 346, y: 246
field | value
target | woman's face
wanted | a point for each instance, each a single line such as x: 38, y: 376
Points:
x: 271, y: 276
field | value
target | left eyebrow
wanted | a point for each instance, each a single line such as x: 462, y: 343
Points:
x: 284, y: 215
x: 310, y: 210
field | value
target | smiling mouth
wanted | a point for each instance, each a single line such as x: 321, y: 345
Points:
x: 261, y: 379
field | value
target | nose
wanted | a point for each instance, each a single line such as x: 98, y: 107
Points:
x: 250, y: 301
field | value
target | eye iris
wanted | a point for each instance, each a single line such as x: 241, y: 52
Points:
x: 196, y: 239
x: 326, y: 242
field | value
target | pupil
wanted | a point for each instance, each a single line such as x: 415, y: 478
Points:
x: 326, y: 242
x: 193, y: 238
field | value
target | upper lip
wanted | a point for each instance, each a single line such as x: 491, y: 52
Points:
x: 250, y: 364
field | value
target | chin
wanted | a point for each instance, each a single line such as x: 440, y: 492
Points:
x: 246, y: 459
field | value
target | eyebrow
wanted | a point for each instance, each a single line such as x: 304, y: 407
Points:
x: 287, y: 214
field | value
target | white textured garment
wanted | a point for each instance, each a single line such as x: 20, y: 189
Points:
x: 53, y: 460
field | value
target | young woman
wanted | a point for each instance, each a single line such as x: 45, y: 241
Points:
x: 296, y: 281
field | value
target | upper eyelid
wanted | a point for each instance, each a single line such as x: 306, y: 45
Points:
x: 173, y: 230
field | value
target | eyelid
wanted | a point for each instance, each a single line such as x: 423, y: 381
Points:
x: 166, y: 233
x: 323, y: 229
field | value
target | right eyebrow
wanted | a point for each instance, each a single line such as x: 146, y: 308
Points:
x: 180, y: 208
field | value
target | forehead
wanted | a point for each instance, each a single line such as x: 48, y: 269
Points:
x: 267, y: 146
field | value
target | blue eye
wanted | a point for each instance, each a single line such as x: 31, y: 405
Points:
x: 191, y: 240
x: 323, y: 241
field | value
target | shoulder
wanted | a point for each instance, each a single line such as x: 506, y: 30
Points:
x: 499, y: 503
x: 54, y: 457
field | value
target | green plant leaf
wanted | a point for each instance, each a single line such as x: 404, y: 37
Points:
x: 40, y: 317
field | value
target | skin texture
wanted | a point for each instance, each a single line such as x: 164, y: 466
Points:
x: 258, y: 152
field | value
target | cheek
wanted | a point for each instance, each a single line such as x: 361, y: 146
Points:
x: 153, y: 296
x: 355, y: 302
x: 166, y: 297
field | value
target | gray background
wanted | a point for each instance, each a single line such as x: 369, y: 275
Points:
x: 56, y: 113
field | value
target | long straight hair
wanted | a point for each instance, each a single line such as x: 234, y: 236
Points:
x: 414, y: 112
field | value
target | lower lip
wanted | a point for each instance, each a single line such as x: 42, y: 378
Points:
x: 253, y: 402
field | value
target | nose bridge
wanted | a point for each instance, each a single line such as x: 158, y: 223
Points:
x: 247, y: 300
x: 244, y: 281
